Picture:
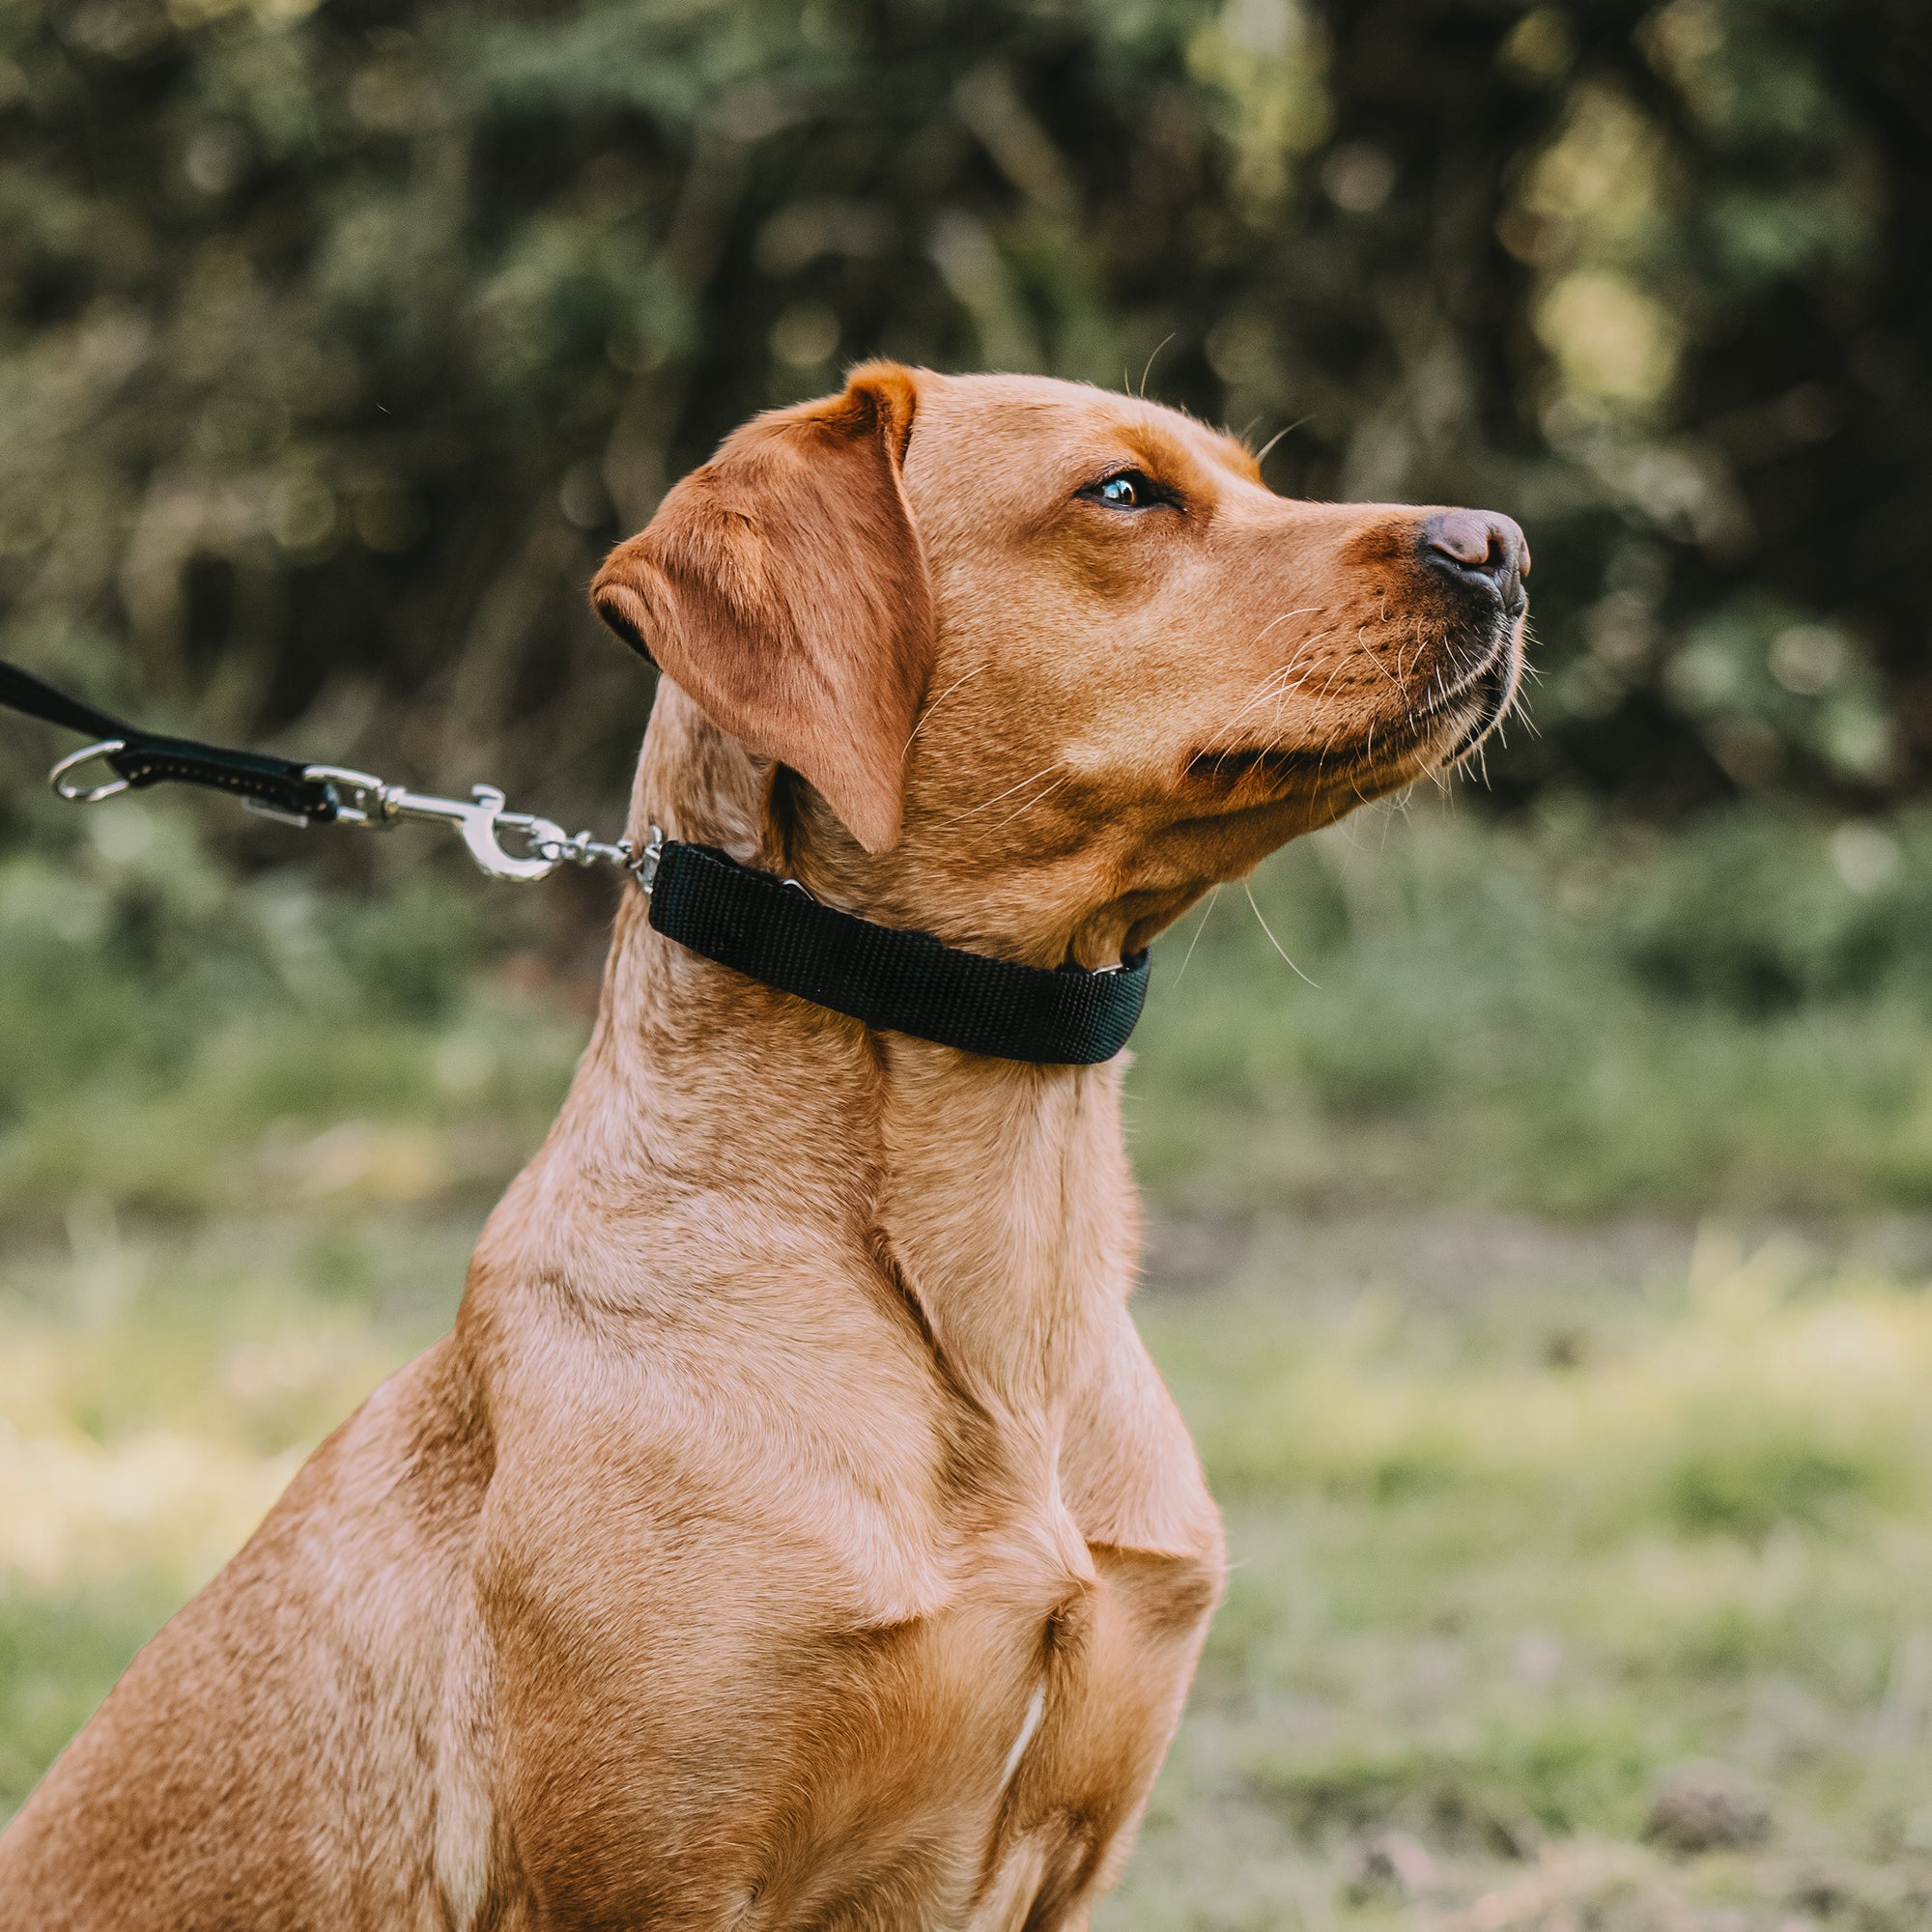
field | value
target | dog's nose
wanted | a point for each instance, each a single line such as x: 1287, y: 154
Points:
x: 1479, y: 544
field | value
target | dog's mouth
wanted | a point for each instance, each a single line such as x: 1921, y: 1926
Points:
x: 1442, y: 732
x: 1494, y: 689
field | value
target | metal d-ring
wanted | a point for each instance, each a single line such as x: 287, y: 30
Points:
x: 73, y: 761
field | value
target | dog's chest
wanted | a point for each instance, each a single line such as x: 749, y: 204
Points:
x: 741, y: 1758
x: 993, y: 1751
x: 975, y: 1767
x: 929, y: 1689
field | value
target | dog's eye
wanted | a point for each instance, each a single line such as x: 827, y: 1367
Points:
x: 1127, y: 489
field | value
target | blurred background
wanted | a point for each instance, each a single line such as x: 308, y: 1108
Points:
x: 1540, y: 1262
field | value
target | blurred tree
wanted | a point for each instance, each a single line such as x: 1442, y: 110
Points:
x: 336, y: 340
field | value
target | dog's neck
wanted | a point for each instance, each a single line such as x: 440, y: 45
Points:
x: 994, y: 1195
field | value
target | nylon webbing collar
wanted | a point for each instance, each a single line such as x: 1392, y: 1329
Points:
x: 768, y: 928
x: 776, y: 932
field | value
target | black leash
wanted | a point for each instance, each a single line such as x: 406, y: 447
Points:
x: 768, y: 928
x: 141, y: 758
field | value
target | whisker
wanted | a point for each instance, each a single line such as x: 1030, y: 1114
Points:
x: 1398, y: 805
x: 1306, y: 611
x: 984, y: 803
x: 1375, y: 658
x: 1287, y: 692
x: 941, y: 699
x: 1283, y: 679
x: 1262, y: 454
x: 1276, y: 683
x: 1148, y: 370
x: 1198, y: 932
x: 1272, y: 940
x: 1033, y: 801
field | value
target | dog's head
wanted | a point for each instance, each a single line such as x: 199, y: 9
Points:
x: 1053, y: 661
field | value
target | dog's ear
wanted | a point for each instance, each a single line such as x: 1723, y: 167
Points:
x: 784, y: 587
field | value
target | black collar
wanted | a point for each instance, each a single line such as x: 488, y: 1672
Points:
x: 774, y: 932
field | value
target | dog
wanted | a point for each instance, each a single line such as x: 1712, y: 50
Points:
x: 793, y: 1531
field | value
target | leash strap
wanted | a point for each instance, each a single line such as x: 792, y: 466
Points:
x: 774, y: 932
x: 141, y: 758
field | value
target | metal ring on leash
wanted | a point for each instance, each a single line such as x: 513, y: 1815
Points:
x: 73, y: 794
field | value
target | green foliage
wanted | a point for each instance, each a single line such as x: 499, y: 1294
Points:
x: 336, y: 341
x: 1567, y: 1015
x: 1705, y: 1539
x: 58, y: 1659
x: 1558, y: 1769
x: 1744, y: 1483
x: 175, y: 1038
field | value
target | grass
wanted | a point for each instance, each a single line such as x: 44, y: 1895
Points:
x: 1564, y: 1017
x: 1518, y: 1537
x: 1490, y: 1596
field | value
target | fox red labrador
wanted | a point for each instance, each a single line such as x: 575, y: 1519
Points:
x: 793, y: 1531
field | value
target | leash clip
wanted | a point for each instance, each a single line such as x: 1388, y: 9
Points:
x: 361, y: 798
x: 364, y: 799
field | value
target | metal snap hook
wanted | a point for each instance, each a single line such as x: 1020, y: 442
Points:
x: 364, y: 799
x: 73, y: 762
x: 479, y: 822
